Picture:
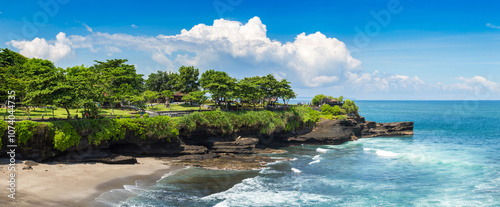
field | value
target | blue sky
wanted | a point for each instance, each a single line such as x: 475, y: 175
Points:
x: 410, y: 49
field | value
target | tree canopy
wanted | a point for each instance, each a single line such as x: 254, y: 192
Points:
x: 219, y: 84
x: 39, y: 83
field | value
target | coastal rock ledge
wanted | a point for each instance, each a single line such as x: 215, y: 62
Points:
x: 246, y: 145
x: 340, y: 131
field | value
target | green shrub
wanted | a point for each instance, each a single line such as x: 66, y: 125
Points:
x: 136, y: 125
x: 106, y: 129
x: 127, y: 116
x: 317, y: 99
x: 341, y: 117
x: 3, y: 127
x: 350, y: 107
x: 161, y: 127
x: 327, y: 109
x: 225, y: 123
x: 65, y: 135
x: 146, y: 115
x: 309, y: 115
x: 333, y: 111
x: 25, y: 130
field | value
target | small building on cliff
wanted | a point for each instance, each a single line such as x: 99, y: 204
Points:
x: 178, y: 96
x: 331, y: 102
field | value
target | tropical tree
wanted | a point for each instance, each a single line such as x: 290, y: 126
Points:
x: 269, y: 87
x: 63, y: 93
x: 13, y: 74
x: 340, y: 99
x: 160, y: 81
x: 151, y: 96
x: 219, y: 84
x: 317, y: 99
x: 116, y: 76
x: 188, y: 98
x: 167, y: 94
x: 127, y: 93
x: 250, y: 90
x: 187, y: 80
x: 87, y: 86
x: 138, y: 101
x: 198, y: 97
x: 42, y: 84
x: 285, y: 92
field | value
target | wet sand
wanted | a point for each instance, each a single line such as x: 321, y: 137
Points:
x: 52, y: 184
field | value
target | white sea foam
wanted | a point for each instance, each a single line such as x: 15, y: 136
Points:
x: 295, y: 170
x: 114, y: 197
x: 381, y: 153
x: 256, y: 191
x: 268, y: 170
x: 321, y: 150
x: 173, y: 172
x: 316, y: 159
x: 275, y: 162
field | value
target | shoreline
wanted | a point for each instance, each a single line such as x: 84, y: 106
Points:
x: 78, y: 184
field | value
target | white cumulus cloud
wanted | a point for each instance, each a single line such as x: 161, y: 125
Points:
x: 309, y: 61
x: 53, y: 50
x: 312, y: 59
x: 478, y: 85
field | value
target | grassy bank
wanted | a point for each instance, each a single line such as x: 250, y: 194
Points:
x: 174, y: 107
x: 36, y: 113
x: 69, y: 133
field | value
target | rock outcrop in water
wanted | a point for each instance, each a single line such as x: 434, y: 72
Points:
x: 372, y: 129
x: 340, y: 131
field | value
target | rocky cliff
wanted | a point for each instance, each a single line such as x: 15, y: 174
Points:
x: 201, y: 144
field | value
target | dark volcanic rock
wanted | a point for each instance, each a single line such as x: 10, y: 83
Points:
x: 193, y: 149
x: 240, y: 146
x: 340, y: 131
x: 231, y: 162
x: 118, y: 159
x: 372, y: 129
x: 27, y: 167
x: 205, y: 143
x: 329, y: 132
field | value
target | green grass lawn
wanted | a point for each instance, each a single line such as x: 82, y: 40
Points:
x: 59, y: 113
x: 175, y: 107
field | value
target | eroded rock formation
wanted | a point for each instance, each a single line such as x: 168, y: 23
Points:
x: 202, y: 145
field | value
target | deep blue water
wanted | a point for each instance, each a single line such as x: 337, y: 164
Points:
x: 452, y: 160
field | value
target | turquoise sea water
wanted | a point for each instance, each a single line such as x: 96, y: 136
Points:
x: 452, y: 160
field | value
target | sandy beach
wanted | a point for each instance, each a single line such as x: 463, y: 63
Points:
x: 52, y: 184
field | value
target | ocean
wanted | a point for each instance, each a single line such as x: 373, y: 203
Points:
x: 453, y: 159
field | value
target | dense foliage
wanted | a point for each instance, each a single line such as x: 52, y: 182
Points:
x: 350, y: 107
x: 317, y: 99
x: 3, y: 127
x: 67, y: 134
x: 112, y: 83
x: 334, y: 111
x: 267, y: 122
x: 185, y: 81
x: 25, y: 130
